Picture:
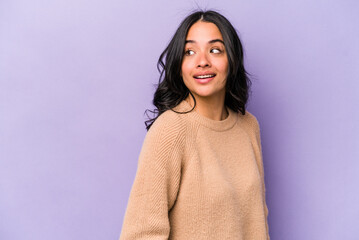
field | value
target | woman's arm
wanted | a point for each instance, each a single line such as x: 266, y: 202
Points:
x: 261, y: 170
x: 156, y: 184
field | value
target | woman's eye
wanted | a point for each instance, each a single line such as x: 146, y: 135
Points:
x: 189, y: 52
x: 215, y: 50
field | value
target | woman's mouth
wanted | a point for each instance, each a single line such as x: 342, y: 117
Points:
x: 205, y: 78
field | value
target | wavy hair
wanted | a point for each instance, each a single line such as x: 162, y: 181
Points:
x: 171, y: 89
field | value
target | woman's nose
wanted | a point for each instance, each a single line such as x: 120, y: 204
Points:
x: 203, y: 60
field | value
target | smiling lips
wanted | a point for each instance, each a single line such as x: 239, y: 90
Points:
x: 204, y: 77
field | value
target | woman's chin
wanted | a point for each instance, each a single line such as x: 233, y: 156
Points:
x: 205, y: 94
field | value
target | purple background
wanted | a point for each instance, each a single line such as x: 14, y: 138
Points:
x: 76, y: 77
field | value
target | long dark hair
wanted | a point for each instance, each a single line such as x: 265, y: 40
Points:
x: 171, y: 89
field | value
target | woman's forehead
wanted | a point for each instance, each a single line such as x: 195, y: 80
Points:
x: 203, y: 31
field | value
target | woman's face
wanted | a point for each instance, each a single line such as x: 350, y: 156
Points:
x: 205, y: 64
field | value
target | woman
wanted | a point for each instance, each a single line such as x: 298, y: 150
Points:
x: 200, y: 171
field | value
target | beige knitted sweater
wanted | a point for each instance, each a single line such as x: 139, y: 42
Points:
x: 198, y: 178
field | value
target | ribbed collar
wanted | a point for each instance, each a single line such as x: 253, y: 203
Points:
x: 222, y: 125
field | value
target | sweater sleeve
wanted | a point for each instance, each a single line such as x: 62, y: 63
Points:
x: 261, y: 170
x: 154, y: 190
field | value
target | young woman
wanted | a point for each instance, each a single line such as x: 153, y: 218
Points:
x: 200, y: 172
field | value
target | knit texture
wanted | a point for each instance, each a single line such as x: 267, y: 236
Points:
x: 198, y: 178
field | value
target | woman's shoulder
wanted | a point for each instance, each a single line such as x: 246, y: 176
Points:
x: 168, y: 120
x: 251, y: 118
x: 168, y: 127
x: 249, y: 121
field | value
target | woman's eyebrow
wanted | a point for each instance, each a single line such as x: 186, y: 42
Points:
x: 211, y: 41
x: 216, y: 40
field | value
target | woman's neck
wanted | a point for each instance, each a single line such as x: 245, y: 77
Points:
x: 211, y: 108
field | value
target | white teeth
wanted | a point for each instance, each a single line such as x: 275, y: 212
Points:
x: 204, y: 76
